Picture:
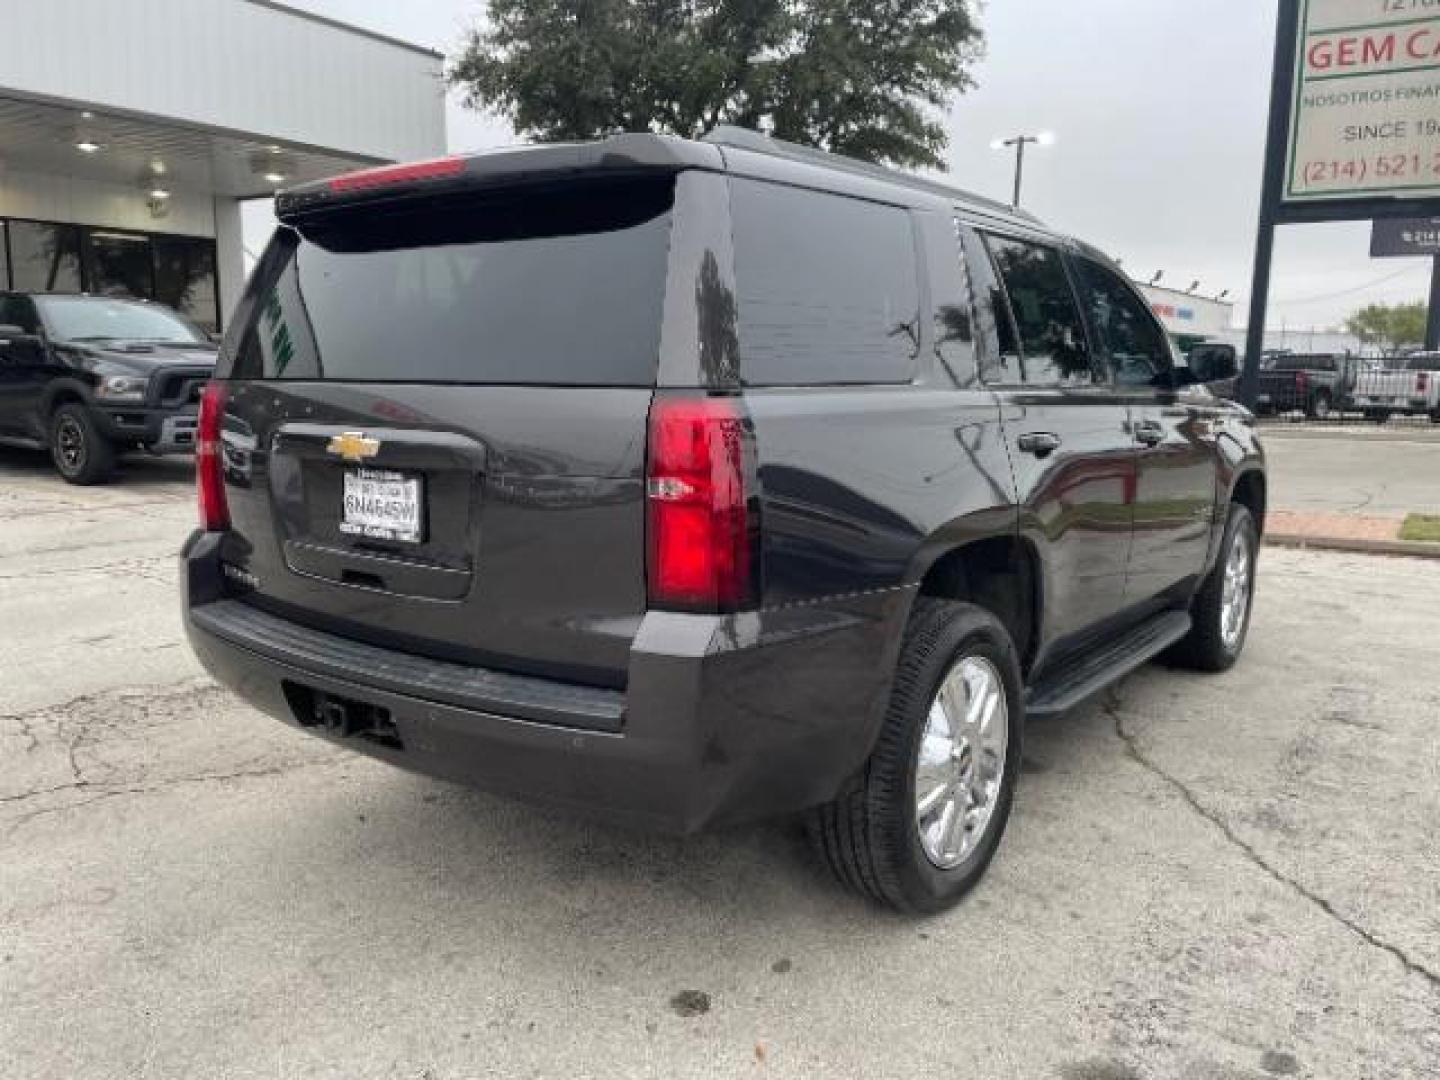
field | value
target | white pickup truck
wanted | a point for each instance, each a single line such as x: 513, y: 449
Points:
x: 1407, y: 385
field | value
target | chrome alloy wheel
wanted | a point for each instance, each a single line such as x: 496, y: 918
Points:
x: 1235, y: 591
x: 960, y: 762
x: 70, y: 444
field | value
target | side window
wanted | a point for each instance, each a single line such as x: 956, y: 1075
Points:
x: 1138, y: 349
x: 827, y: 286
x: 952, y: 301
x: 1046, y: 321
x: 19, y: 311
x: 1000, y: 365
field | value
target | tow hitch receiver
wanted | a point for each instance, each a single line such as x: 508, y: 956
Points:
x: 342, y: 717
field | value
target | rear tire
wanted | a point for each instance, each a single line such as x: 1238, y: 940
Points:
x: 1218, y: 635
x: 1377, y: 416
x: 877, y: 836
x: 81, y: 453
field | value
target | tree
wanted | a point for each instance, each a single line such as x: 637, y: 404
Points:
x: 1389, y: 324
x: 866, y: 78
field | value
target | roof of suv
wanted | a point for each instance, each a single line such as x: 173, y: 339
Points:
x: 726, y: 149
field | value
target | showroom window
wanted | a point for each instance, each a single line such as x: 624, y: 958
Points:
x: 175, y: 270
x: 44, y: 258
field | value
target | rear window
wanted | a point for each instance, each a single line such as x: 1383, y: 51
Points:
x: 558, y: 287
x: 828, y: 288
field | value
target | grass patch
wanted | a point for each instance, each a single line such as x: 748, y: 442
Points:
x: 1424, y: 527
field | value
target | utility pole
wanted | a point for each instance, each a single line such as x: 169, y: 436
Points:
x: 1432, y: 315
x: 1044, y: 138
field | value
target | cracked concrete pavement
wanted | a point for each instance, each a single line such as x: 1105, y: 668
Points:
x: 1217, y: 878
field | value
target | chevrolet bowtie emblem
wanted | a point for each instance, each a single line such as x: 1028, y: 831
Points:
x: 353, y: 446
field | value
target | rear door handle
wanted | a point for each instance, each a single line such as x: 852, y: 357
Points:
x: 1040, y: 443
x: 1149, y: 433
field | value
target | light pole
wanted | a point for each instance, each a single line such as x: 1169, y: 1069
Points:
x: 1044, y: 138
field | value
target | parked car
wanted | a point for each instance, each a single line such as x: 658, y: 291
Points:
x: 1407, y: 385
x: 1316, y: 384
x: 90, y: 377
x: 685, y: 483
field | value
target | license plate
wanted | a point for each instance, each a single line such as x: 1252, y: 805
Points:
x: 382, y: 505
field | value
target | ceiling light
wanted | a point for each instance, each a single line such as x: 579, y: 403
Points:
x: 87, y: 115
x: 159, y: 193
x: 86, y: 146
x: 273, y: 148
x: 274, y: 178
x: 157, y: 167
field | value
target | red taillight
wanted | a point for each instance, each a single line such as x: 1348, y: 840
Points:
x: 699, y: 538
x: 209, y: 470
x: 1422, y: 382
x: 398, y: 174
x: 1302, y: 380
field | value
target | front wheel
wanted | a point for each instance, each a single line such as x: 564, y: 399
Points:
x: 1221, y: 609
x: 919, y: 827
x: 82, y: 455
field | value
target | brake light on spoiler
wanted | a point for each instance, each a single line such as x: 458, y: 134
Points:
x: 386, y: 175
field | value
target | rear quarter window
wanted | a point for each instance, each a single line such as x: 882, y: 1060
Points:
x: 828, y: 288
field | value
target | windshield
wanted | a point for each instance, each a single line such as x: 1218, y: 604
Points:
x: 92, y: 318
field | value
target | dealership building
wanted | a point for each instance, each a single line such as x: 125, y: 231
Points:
x: 131, y: 132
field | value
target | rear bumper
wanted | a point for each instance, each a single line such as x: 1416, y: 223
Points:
x: 724, y: 718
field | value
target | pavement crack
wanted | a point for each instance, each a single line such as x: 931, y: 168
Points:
x: 1112, y: 706
x: 103, y: 793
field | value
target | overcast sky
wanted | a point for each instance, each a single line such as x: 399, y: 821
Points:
x: 1158, y: 110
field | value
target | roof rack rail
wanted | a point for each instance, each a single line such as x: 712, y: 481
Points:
x: 740, y: 138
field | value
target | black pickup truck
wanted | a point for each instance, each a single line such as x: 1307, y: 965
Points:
x: 90, y: 376
x: 683, y: 483
x: 1317, y: 384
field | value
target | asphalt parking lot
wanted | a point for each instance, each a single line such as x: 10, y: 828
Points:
x: 1215, y: 878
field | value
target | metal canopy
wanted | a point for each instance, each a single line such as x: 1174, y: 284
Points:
x: 41, y: 136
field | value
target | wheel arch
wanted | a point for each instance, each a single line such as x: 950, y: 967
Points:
x: 62, y: 392
x: 998, y: 572
x: 1250, y: 489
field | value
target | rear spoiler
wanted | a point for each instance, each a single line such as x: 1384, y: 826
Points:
x: 619, y: 155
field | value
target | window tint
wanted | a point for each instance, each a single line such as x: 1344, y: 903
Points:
x: 1046, y: 321
x: 827, y: 285
x: 45, y: 258
x: 1138, y: 350
x: 559, y: 287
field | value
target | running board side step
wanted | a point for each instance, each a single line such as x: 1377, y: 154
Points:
x: 1086, y: 675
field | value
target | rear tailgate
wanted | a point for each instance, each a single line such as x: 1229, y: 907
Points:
x: 435, y: 433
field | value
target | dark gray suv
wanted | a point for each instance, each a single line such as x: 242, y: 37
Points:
x: 694, y: 482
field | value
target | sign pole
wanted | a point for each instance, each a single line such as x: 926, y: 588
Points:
x: 1287, y: 21
x: 1432, y: 315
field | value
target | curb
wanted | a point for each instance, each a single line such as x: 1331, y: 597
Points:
x: 1414, y: 548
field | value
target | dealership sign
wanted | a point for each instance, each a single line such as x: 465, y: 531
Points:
x: 1404, y: 236
x: 1366, y: 113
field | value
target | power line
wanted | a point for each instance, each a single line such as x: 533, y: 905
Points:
x: 1358, y: 288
